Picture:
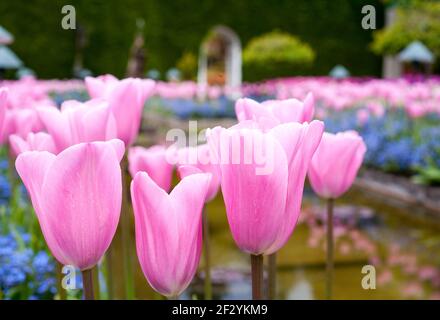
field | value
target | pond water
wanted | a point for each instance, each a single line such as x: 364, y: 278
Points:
x: 405, y: 253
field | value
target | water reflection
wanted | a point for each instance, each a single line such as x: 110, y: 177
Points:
x: 301, y: 288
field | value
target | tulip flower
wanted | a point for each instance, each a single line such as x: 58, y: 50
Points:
x: 274, y: 112
x: 77, y: 199
x: 262, y: 181
x: 376, y: 108
x: 362, y: 116
x: 20, y: 122
x: 3, y: 106
x: 154, y: 162
x: 195, y: 160
x: 335, y: 164
x: 268, y: 115
x: 40, y: 141
x: 78, y: 122
x: 169, y: 230
x: 126, y: 99
x: 332, y: 171
x: 199, y: 157
x: 101, y: 85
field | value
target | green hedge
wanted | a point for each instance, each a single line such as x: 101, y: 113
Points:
x: 332, y: 28
x: 276, y: 54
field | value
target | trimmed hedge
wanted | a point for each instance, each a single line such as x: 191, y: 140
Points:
x: 276, y: 54
x: 332, y: 28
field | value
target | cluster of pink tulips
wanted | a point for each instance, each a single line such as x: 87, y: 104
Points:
x: 416, y: 98
x: 372, y: 96
x: 73, y: 162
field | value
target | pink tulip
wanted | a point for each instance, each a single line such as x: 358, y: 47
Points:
x: 335, y: 163
x: 40, y: 141
x: 77, y: 198
x: 101, y: 85
x: 20, y: 122
x: 78, y: 122
x: 274, y: 112
x: 415, y: 110
x: 126, y: 98
x: 362, y: 116
x: 169, y: 230
x: 376, y: 108
x: 192, y: 158
x: 3, y: 106
x: 152, y: 161
x: 262, y: 179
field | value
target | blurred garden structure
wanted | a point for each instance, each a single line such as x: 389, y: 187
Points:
x: 8, y: 59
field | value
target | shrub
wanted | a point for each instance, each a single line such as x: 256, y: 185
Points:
x: 187, y: 64
x: 277, y: 54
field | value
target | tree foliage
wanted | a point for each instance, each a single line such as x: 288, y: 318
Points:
x: 418, y: 20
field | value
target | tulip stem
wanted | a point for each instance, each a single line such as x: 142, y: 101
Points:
x: 272, y: 276
x: 109, y: 273
x: 208, y: 283
x: 330, y: 262
x: 87, y: 277
x: 95, y: 274
x: 125, y: 231
x: 59, y: 278
x: 128, y: 274
x: 257, y: 276
x: 12, y: 174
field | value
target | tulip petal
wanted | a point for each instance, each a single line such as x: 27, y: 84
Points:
x: 168, y: 230
x: 32, y: 168
x: 82, y: 201
x: 251, y: 197
x: 342, y: 154
x: 185, y: 171
x: 300, y: 157
x: 57, y: 125
x: 154, y: 161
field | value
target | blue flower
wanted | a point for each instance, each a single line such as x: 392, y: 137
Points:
x: 23, y: 270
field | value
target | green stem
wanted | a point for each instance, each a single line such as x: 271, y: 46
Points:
x: 330, y: 262
x: 207, y: 256
x: 59, y: 272
x: 257, y: 276
x: 272, y: 276
x: 109, y: 273
x: 87, y: 278
x: 96, y: 288
x: 12, y: 173
x: 126, y: 230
